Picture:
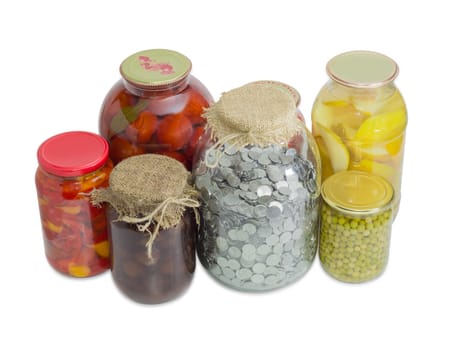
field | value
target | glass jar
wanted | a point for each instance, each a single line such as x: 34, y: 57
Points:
x: 152, y: 227
x: 155, y: 108
x: 172, y: 269
x: 359, y: 118
x: 71, y: 165
x: 260, y: 187
x: 356, y: 223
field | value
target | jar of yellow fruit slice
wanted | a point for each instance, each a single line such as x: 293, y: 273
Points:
x: 359, y: 118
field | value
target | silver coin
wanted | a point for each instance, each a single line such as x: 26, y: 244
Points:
x: 232, y: 233
x: 297, y: 234
x: 260, y: 211
x: 273, y: 212
x: 242, y: 235
x: 244, y: 274
x: 228, y: 272
x: 272, y: 240
x: 288, y: 246
x: 244, y: 186
x: 285, y: 191
x: 263, y: 249
x: 264, y: 199
x: 222, y: 262
x: 230, y: 149
x: 225, y: 160
x: 254, y: 153
x: 259, y: 268
x: 278, y: 249
x: 270, y: 280
x: 264, y: 190
x: 264, y: 159
x: 286, y: 259
x: 249, y: 262
x: 264, y: 231
x: 233, y: 264
x: 234, y: 252
x: 221, y: 243
x: 270, y: 270
x: 249, y: 249
x: 215, y: 270
x: 274, y: 157
x: 231, y: 199
x: 249, y: 228
x: 274, y: 173
x: 233, y: 180
x: 277, y: 205
x: 285, y: 237
x: 257, y: 279
x: 259, y: 173
x: 272, y: 260
x: 244, y: 155
x: 289, y: 225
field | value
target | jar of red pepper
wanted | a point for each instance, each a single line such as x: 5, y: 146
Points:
x: 71, y: 165
x: 155, y: 108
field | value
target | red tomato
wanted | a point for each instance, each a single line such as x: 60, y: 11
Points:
x: 195, y: 107
x: 174, y: 132
x: 120, y: 149
x: 142, y: 129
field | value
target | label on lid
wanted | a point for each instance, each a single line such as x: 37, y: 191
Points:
x: 155, y: 68
x: 357, y: 192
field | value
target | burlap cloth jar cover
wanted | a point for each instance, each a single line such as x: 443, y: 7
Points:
x: 151, y: 191
x: 270, y: 119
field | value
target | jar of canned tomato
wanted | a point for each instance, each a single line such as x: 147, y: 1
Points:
x: 155, y: 107
x: 71, y: 165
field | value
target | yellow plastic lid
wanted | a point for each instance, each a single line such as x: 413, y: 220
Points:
x: 353, y: 191
x: 362, y: 69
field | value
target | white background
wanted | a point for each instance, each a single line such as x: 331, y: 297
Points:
x: 57, y: 63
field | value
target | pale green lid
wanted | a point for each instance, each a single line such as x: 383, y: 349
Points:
x: 353, y: 191
x: 155, y: 68
x: 362, y: 69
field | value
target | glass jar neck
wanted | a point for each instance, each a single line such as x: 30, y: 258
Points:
x: 173, y: 88
x: 373, y: 95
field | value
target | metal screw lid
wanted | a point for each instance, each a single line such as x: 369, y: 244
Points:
x: 362, y: 69
x: 357, y: 192
x: 155, y: 69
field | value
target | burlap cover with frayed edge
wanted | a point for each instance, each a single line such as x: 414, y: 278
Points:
x: 149, y: 190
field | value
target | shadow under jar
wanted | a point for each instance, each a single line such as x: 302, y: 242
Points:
x: 155, y: 108
x: 170, y: 272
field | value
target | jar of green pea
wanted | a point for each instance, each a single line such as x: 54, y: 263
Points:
x: 356, y: 224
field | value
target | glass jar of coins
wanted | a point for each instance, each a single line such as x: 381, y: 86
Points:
x: 258, y: 171
x: 152, y: 227
x: 359, y: 118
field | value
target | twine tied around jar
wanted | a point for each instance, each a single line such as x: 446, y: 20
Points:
x: 253, y: 114
x: 149, y: 190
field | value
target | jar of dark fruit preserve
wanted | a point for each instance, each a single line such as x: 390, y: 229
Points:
x: 155, y: 108
x: 71, y: 165
x: 153, y: 218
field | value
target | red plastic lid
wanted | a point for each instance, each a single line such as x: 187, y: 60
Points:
x: 73, y: 153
